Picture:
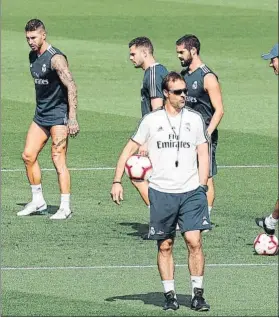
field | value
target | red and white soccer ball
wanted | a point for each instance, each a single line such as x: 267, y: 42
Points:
x: 266, y: 244
x: 138, y: 167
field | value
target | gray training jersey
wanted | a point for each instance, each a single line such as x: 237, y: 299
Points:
x: 51, y: 94
x: 172, y: 138
x: 197, y: 98
x: 152, y: 86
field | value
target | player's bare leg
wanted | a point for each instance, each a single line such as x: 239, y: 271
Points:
x: 165, y: 259
x: 166, y: 269
x: 193, y: 240
x: 59, y: 136
x: 269, y: 223
x: 275, y: 213
x: 36, y: 139
x: 210, y: 194
x: 142, y: 187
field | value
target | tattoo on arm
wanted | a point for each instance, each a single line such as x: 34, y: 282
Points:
x: 59, y: 63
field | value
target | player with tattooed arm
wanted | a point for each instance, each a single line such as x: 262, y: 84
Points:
x: 55, y: 117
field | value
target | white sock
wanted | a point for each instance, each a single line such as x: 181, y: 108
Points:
x: 209, y: 210
x: 271, y: 222
x: 168, y: 285
x: 196, y: 282
x: 37, y: 193
x: 65, y: 201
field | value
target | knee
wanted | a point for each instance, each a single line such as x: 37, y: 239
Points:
x: 28, y: 157
x: 195, y: 246
x: 165, y: 247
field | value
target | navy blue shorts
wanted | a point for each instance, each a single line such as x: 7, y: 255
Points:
x: 189, y: 210
x: 49, y: 124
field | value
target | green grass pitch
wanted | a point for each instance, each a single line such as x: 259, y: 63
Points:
x: 96, y: 263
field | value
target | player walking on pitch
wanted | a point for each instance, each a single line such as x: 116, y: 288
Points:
x: 142, y: 56
x: 55, y: 117
x: 204, y: 96
x: 175, y: 136
x: 268, y: 223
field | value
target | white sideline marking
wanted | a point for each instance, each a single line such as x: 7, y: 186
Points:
x: 124, y: 266
x: 112, y: 168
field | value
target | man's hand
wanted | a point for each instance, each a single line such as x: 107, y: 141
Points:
x: 73, y: 127
x: 143, y: 150
x: 117, y: 193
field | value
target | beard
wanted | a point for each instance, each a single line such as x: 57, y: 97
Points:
x: 186, y: 63
x: 179, y: 105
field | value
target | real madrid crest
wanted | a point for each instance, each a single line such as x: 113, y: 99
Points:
x: 43, y: 68
x: 187, y: 126
x: 152, y: 231
x: 195, y: 85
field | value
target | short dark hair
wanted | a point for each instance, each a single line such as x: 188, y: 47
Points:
x: 172, y: 77
x: 144, y: 42
x: 189, y: 41
x: 34, y: 24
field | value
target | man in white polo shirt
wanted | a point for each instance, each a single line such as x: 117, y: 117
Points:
x: 176, y: 139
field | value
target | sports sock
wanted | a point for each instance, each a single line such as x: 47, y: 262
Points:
x: 271, y: 222
x: 209, y: 210
x: 168, y: 285
x: 196, y: 282
x: 65, y: 201
x: 37, y: 193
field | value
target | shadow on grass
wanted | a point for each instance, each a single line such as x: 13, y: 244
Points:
x: 141, y: 230
x: 42, y: 304
x: 155, y: 299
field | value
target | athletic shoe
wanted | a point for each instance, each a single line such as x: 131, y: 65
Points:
x: 33, y: 208
x: 177, y: 227
x: 198, y: 302
x: 171, y: 301
x: 261, y: 223
x: 62, y: 214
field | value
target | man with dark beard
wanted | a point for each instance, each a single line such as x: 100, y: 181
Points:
x: 55, y: 117
x: 204, y: 96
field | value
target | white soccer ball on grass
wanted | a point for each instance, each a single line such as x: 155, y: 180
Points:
x: 266, y: 244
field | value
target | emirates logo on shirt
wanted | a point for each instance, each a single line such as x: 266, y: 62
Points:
x: 173, y: 142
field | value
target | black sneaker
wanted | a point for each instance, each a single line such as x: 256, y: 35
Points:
x: 171, y: 301
x: 198, y: 302
x: 261, y: 223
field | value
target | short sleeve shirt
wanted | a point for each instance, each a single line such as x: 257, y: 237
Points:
x: 170, y: 139
x: 152, y: 86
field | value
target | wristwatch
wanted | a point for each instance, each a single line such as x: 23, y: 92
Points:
x: 204, y: 186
